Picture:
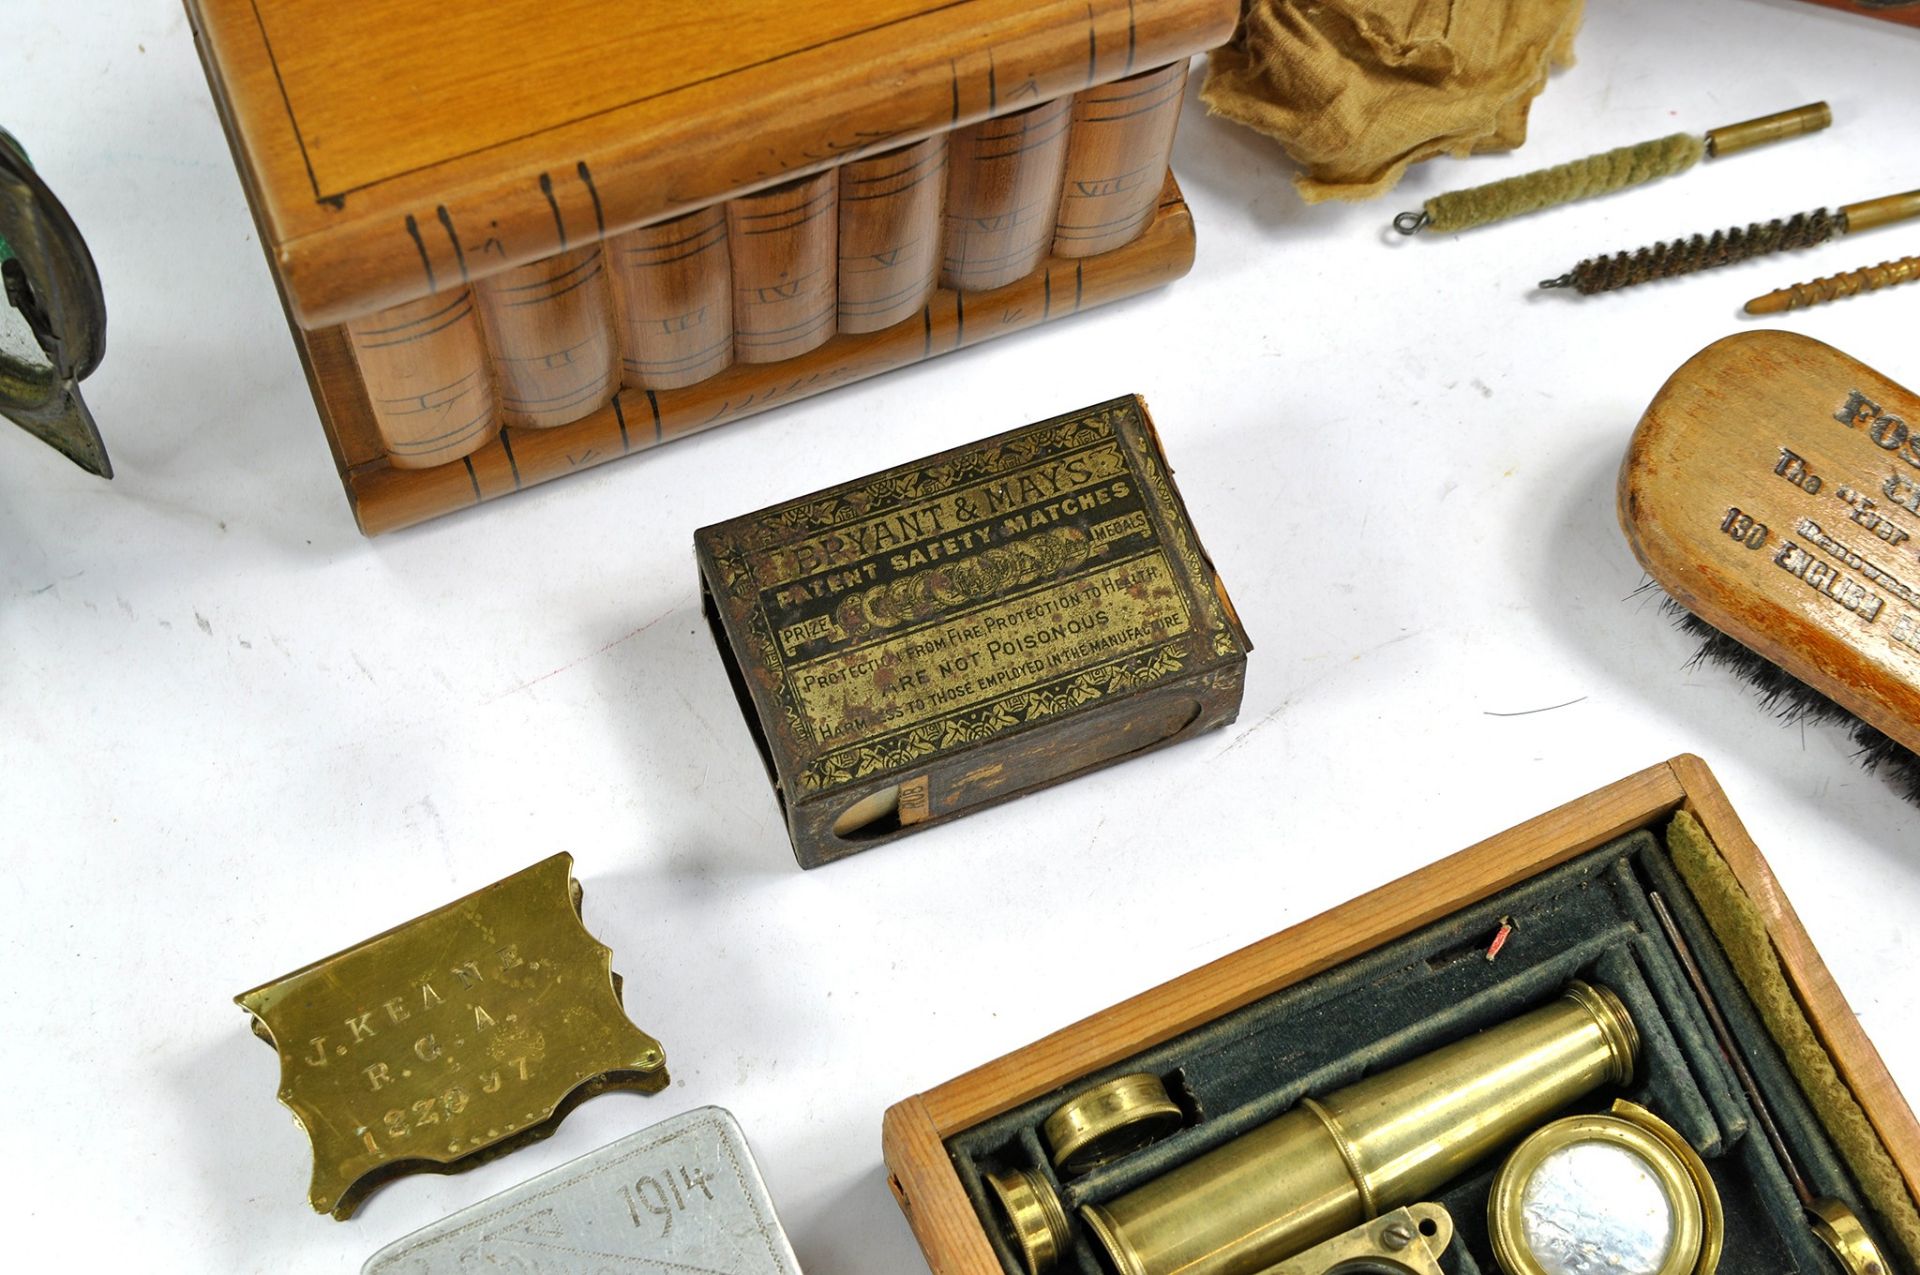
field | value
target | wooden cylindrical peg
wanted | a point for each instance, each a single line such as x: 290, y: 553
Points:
x: 550, y: 327
x: 890, y: 208
x: 784, y: 256
x: 1003, y: 195
x: 1117, y: 152
x: 674, y: 287
x: 424, y: 367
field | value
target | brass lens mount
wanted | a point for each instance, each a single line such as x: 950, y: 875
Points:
x: 1666, y: 1210
x: 1109, y: 1121
x: 1036, y: 1221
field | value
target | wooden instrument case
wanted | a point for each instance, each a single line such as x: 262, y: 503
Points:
x: 925, y: 1136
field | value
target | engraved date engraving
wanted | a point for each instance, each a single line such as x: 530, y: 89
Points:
x: 661, y: 1197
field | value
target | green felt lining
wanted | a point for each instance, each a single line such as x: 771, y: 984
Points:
x: 1587, y: 918
x: 1778, y: 1037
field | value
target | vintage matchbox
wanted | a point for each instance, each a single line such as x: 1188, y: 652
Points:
x: 925, y: 641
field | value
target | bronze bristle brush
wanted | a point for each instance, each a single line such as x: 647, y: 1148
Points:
x: 1773, y: 491
x: 1676, y: 257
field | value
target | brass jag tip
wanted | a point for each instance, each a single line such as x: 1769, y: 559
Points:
x: 1035, y: 1218
x: 1109, y: 1121
x: 1615, y: 1023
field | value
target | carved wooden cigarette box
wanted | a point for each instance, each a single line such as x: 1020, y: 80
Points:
x: 952, y: 632
x: 515, y: 240
x: 1316, y: 1079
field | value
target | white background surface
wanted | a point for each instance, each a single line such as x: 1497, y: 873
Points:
x: 235, y: 736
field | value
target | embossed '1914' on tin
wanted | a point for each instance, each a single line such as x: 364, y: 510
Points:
x: 952, y: 632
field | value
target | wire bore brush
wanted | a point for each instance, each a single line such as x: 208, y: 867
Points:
x: 1676, y: 257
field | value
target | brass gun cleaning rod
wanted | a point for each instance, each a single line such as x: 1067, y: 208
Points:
x: 1724, y: 247
x: 1601, y: 174
x: 1835, y: 287
x: 1833, y: 1221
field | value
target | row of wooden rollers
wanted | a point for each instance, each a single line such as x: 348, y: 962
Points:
x: 768, y: 276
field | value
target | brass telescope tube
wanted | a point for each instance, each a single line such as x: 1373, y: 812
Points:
x: 1327, y: 1166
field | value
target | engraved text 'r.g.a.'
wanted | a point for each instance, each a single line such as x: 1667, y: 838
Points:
x: 421, y: 999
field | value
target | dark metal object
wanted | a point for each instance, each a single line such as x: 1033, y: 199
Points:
x: 1701, y: 252
x: 921, y: 642
x: 1724, y: 247
x: 53, y: 292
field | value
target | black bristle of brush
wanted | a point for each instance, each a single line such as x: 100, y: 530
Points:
x: 1787, y: 697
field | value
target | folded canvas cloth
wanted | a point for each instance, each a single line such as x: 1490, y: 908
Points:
x: 1356, y: 90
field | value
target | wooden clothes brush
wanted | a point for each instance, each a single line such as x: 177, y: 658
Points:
x: 1602, y: 174
x: 1773, y: 491
x: 1675, y: 257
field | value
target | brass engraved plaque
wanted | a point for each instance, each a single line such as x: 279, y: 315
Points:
x: 453, y: 1038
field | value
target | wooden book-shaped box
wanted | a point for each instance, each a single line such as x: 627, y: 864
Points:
x: 522, y: 237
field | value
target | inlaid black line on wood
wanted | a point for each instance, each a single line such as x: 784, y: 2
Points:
x: 620, y: 418
x: 714, y: 232
x: 1132, y: 36
x: 1149, y: 82
x: 406, y: 333
x: 559, y: 222
x: 813, y: 207
x: 461, y: 432
x: 286, y: 100
x: 577, y: 275
x: 506, y: 445
x: 874, y: 305
x: 959, y: 319
x: 932, y: 164
x: 926, y: 331
x: 680, y: 362
x: 338, y: 198
x: 593, y: 192
x: 556, y: 402
x: 472, y: 478
x: 452, y: 391
x: 453, y: 237
x: 1092, y: 48
x: 1024, y: 134
x: 1167, y: 95
x: 426, y: 262
x: 654, y: 403
x: 755, y: 337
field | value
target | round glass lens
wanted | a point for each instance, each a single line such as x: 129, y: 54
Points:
x: 1596, y: 1208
